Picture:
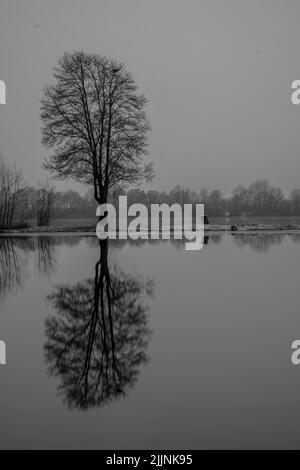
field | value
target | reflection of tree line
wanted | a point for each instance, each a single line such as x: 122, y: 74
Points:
x: 262, y: 243
x: 15, y: 251
x: 178, y: 244
x: 15, y: 254
x: 12, y: 265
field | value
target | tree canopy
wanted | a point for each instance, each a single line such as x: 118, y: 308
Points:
x: 95, y: 122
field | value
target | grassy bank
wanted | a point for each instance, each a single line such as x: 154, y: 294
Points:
x: 85, y: 225
x: 91, y: 228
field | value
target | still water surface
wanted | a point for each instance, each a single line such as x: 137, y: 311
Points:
x: 149, y: 346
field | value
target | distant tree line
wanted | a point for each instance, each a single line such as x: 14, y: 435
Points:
x: 43, y: 204
x: 22, y: 205
x: 259, y: 199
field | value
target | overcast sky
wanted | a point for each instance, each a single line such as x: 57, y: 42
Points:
x: 217, y: 75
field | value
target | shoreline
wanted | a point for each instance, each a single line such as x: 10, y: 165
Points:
x: 90, y: 231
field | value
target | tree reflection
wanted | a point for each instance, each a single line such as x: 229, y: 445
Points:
x: 97, y: 340
x: 15, y: 255
x: 46, y: 255
x: 180, y: 245
x: 260, y: 243
x: 13, y: 263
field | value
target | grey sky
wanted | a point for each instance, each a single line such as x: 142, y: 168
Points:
x: 217, y: 74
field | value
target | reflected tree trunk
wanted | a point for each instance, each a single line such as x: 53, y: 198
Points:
x: 97, y: 340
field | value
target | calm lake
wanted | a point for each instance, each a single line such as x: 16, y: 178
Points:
x: 145, y: 345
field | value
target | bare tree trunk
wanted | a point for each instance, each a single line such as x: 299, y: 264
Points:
x: 11, y: 181
x: 45, y: 200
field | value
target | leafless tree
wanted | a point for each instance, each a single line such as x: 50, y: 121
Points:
x: 11, y: 182
x: 44, y: 203
x: 96, y: 123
